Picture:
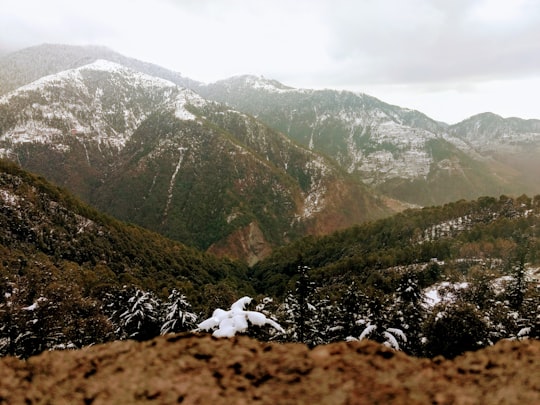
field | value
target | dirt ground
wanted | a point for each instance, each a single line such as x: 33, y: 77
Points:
x: 187, y: 369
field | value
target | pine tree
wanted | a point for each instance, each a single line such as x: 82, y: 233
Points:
x: 454, y: 328
x: 351, y: 313
x: 517, y: 288
x: 408, y: 312
x: 299, y: 311
x: 140, y: 318
x: 378, y: 323
x: 178, y: 315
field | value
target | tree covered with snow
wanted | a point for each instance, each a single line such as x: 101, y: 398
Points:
x: 140, y: 317
x: 453, y: 328
x: 377, y: 323
x: 178, y: 315
x: 302, y: 311
x: 408, y: 313
x: 350, y: 310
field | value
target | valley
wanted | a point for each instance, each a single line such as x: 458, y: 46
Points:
x: 131, y: 195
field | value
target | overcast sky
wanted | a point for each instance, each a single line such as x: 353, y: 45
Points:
x: 447, y: 58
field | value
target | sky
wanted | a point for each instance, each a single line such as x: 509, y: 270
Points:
x: 450, y: 59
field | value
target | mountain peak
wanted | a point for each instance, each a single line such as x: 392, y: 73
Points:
x: 20, y: 68
x: 485, y: 116
x: 257, y: 82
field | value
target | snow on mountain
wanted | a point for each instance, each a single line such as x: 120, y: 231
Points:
x: 146, y: 151
x: 488, y: 132
x: 27, y: 65
x: 399, y: 151
x: 360, y: 132
x: 96, y: 101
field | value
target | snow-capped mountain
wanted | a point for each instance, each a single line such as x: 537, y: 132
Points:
x: 129, y: 137
x: 103, y: 99
x: 27, y: 65
x: 399, y: 151
x: 147, y: 151
x: 491, y: 133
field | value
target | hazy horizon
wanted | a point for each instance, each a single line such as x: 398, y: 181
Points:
x: 449, y: 60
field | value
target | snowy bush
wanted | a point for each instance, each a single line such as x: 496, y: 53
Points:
x: 236, y: 320
x: 390, y: 336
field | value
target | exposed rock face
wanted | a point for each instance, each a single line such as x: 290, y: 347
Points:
x: 247, y: 244
x: 203, y: 370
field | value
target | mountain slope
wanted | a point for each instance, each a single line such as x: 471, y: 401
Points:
x: 45, y: 228
x: 143, y: 149
x: 401, y: 152
x: 513, y: 143
x: 488, y: 232
x: 27, y: 65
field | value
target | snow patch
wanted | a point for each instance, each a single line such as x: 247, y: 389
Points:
x: 229, y: 323
x: 442, y: 292
x: 9, y: 198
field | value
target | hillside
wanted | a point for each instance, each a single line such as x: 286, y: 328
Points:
x: 199, y: 369
x: 129, y: 138
x: 149, y: 152
x: 488, y: 231
x: 72, y: 277
x: 30, y: 64
x: 47, y: 226
x: 400, y: 152
x: 66, y: 270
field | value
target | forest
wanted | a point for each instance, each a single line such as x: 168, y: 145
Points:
x: 433, y: 281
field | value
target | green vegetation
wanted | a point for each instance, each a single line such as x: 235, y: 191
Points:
x: 48, y: 223
x: 71, y: 276
x: 484, y: 228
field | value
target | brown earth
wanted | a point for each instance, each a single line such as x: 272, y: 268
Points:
x: 204, y: 370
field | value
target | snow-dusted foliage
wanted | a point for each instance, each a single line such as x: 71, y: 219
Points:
x: 391, y: 336
x: 140, y: 320
x: 177, y: 316
x: 303, y: 313
x: 236, y: 320
x: 454, y: 328
x: 408, y: 312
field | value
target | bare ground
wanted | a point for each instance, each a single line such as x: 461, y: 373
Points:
x: 191, y: 369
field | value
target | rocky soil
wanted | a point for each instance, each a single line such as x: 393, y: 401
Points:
x: 191, y: 369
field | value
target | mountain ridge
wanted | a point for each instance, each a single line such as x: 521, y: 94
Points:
x: 386, y: 146
x: 380, y: 154
x: 129, y: 135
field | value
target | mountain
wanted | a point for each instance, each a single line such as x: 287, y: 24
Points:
x: 147, y: 151
x: 488, y: 234
x: 27, y: 65
x: 69, y: 275
x: 511, y: 142
x: 131, y: 139
x: 400, y: 152
x: 47, y: 232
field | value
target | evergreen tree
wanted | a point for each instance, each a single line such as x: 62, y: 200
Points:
x: 454, y: 328
x: 517, y: 288
x: 351, y: 311
x: 269, y: 308
x: 299, y: 311
x: 178, y: 315
x: 140, y: 319
x: 408, y: 312
x: 378, y: 322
